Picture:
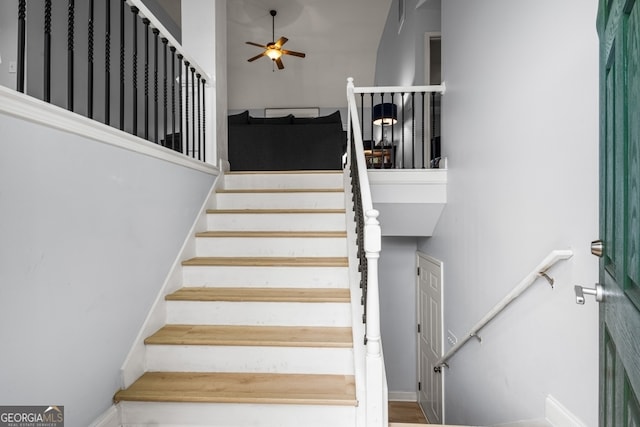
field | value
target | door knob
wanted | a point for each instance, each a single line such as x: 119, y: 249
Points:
x: 582, y: 291
x: 597, y: 248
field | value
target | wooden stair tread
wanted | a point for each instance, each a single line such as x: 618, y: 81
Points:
x: 280, y: 190
x: 286, y: 172
x: 276, y: 211
x: 241, y: 388
x: 277, y: 336
x: 268, y: 261
x: 261, y: 294
x: 265, y: 234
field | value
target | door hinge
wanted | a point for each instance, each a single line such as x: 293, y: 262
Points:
x: 419, y: 386
x: 418, y: 327
x: 418, y: 271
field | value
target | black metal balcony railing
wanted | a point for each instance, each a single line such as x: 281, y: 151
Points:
x: 101, y: 77
x: 408, y: 136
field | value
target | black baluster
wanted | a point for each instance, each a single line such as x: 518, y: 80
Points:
x: 186, y: 107
x: 402, y: 122
x: 146, y: 22
x: 155, y: 84
x: 413, y: 130
x: 193, y: 113
x: 90, y: 63
x: 173, y: 97
x: 424, y: 148
x: 47, y: 51
x: 435, y: 146
x: 180, y: 126
x: 70, y: 36
x: 164, y: 88
x: 107, y: 63
x: 370, y: 162
x: 134, y: 71
x: 204, y: 121
x: 392, y: 126
x: 199, y: 128
x: 382, y: 133
x: 122, y: 5
x: 22, y: 17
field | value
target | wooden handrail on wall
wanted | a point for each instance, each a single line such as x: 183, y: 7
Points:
x: 538, y: 272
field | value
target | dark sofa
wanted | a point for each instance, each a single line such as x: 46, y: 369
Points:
x: 285, y: 143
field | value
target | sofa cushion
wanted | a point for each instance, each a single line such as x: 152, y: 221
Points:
x: 271, y: 120
x: 239, y: 119
x: 331, y: 118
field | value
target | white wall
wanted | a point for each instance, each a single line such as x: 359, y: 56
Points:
x: 338, y: 37
x: 8, y: 41
x: 88, y: 233
x: 520, y: 130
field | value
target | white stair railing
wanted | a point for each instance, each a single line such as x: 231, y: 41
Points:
x: 370, y: 238
x: 540, y: 271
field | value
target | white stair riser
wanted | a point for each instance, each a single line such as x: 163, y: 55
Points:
x: 282, y: 181
x: 235, y: 415
x: 258, y: 313
x: 277, y: 222
x: 284, y: 360
x: 330, y: 200
x: 278, y: 277
x: 271, y: 246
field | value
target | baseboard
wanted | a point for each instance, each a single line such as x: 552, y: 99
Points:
x: 403, y: 396
x: 559, y: 416
x: 108, y: 418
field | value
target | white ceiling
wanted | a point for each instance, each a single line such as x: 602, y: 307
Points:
x: 339, y: 37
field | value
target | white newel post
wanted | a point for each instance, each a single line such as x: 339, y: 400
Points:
x: 375, y: 389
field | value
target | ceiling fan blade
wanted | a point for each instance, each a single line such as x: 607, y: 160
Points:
x: 256, y: 57
x: 279, y: 64
x: 293, y: 53
x: 281, y: 41
x: 256, y: 44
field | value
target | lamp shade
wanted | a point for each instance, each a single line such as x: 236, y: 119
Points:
x: 385, y: 114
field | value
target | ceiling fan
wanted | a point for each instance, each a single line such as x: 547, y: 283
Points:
x: 273, y: 50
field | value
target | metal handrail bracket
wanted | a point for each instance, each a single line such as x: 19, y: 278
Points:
x: 540, y: 271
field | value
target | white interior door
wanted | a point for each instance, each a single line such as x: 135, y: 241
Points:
x: 430, y: 337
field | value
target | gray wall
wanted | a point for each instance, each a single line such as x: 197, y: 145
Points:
x: 8, y: 41
x: 398, y: 322
x: 520, y: 130
x: 401, y: 55
x: 88, y: 233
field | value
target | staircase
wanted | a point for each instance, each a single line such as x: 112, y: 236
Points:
x: 260, y: 332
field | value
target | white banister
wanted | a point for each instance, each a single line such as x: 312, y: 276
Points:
x: 375, y: 399
x: 441, y: 88
x: 540, y: 271
x: 367, y: 204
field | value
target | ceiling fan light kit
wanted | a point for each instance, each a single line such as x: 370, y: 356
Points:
x: 273, y: 50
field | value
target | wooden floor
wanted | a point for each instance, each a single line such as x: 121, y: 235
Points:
x: 406, y: 412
